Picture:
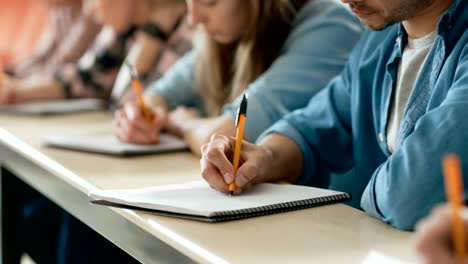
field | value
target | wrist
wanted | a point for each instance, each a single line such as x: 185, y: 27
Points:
x: 186, y: 126
x: 268, y: 156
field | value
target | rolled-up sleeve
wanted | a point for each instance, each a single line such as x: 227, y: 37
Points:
x: 408, y: 185
x: 176, y: 86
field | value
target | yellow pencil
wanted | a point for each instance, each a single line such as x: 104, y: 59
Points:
x: 136, y: 85
x: 240, y: 123
x: 455, y: 196
x: 1, y: 73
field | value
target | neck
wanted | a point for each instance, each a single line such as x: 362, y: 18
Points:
x: 426, y: 20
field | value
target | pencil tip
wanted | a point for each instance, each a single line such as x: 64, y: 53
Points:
x: 231, y: 193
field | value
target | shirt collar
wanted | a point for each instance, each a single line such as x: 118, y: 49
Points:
x: 444, y: 25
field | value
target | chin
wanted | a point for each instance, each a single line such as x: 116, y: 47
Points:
x: 376, y: 25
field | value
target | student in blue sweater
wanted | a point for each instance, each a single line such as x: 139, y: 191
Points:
x: 399, y: 105
x: 280, y: 52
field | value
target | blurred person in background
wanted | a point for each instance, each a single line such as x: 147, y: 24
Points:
x: 68, y: 34
x: 151, y: 32
x: 159, y: 35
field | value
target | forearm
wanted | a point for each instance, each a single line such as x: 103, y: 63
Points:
x: 144, y: 53
x: 33, y: 90
x: 82, y: 35
x: 286, y: 159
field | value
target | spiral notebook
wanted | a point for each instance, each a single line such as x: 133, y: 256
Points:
x: 198, y: 201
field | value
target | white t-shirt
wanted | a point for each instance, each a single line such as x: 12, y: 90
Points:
x: 413, y: 58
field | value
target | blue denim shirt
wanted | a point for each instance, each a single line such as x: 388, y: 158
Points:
x: 344, y: 125
x: 322, y: 36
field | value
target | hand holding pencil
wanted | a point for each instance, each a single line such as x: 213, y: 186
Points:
x: 136, y: 86
x: 136, y: 123
x: 232, y: 165
x: 434, y: 237
x: 442, y: 236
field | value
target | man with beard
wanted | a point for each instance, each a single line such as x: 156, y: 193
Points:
x: 392, y: 114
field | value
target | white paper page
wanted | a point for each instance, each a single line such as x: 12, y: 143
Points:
x: 375, y: 257
x: 109, y: 144
x: 54, y: 107
x: 200, y: 199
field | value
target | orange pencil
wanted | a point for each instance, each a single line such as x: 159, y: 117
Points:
x: 1, y: 73
x: 240, y: 123
x: 455, y: 196
x: 136, y: 85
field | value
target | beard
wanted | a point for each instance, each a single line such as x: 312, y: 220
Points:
x: 396, y: 12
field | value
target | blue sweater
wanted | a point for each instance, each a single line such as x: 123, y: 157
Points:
x: 344, y: 125
x: 322, y: 37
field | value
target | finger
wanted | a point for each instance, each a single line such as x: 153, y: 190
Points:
x: 143, y: 125
x: 132, y: 111
x: 123, y: 124
x: 138, y: 137
x: 203, y: 149
x: 247, y: 187
x: 216, y: 154
x: 118, y: 115
x: 212, y: 176
x: 246, y: 173
x: 138, y: 130
x: 131, y: 133
x: 121, y: 136
x: 160, y: 118
x: 119, y: 131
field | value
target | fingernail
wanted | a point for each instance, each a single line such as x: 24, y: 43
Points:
x: 228, y: 177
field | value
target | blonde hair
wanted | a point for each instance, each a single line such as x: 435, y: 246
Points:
x: 223, y: 72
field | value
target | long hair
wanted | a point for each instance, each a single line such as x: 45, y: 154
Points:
x: 223, y: 72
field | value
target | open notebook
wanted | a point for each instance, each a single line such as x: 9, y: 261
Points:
x: 74, y: 105
x: 198, y: 201
x: 108, y: 144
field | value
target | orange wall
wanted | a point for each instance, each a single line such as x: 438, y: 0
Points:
x: 21, y: 25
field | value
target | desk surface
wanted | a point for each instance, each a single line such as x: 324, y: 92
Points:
x: 329, y: 234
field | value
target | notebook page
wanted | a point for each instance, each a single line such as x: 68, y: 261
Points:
x: 199, y: 198
x: 375, y: 257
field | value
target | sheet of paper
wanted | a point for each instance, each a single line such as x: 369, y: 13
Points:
x: 200, y: 199
x: 375, y: 257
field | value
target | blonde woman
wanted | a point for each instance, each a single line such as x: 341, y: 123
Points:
x: 281, y: 52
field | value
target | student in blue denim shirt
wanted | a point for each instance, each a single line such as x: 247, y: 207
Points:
x: 400, y: 104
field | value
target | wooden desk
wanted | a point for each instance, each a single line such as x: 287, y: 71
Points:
x: 329, y: 234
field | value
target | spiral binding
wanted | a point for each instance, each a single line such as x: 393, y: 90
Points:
x: 279, y: 208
